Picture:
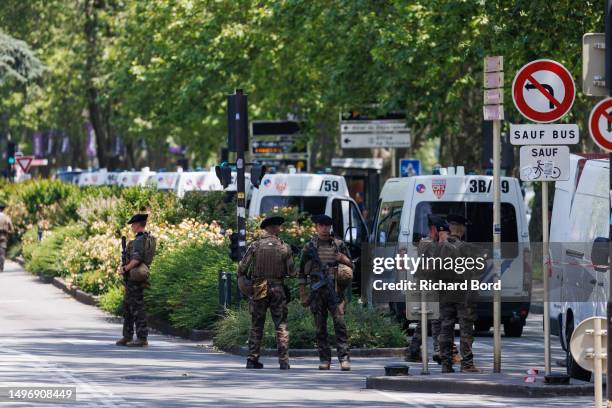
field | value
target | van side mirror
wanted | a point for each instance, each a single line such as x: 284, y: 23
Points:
x: 600, y: 253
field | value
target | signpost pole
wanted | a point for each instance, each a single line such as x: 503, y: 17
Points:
x: 496, y: 245
x: 545, y: 252
x: 608, y: 78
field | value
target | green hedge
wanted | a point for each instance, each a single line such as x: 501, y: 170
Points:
x: 44, y: 257
x: 367, y: 328
x: 184, y: 285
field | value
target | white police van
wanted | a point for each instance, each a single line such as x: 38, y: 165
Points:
x: 314, y: 194
x: 401, y: 221
x: 134, y: 178
x: 93, y: 178
x: 578, y: 288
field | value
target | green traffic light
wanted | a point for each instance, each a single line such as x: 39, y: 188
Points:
x: 11, y: 160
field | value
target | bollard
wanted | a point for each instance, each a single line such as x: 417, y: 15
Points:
x: 222, y: 289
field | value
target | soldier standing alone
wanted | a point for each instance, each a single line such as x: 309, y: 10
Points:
x: 6, y: 227
x: 321, y: 260
x: 140, y: 252
x: 261, y: 276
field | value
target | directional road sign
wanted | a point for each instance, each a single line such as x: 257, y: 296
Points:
x: 374, y: 133
x: 600, y: 124
x: 543, y: 91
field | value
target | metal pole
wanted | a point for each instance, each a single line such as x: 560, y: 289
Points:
x: 608, y: 77
x: 424, y: 353
x: 496, y: 246
x: 393, y: 164
x: 597, y: 363
x: 609, y: 303
x: 241, y: 143
x: 545, y: 277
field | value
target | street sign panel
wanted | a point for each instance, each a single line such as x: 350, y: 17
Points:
x: 543, y: 91
x: 552, y: 134
x: 409, y: 167
x: 24, y: 162
x: 374, y: 133
x: 600, y: 124
x: 544, y: 163
x: 594, y: 64
x: 493, y: 112
x: 375, y: 163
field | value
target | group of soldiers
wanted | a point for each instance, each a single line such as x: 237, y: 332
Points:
x: 325, y: 265
x: 446, y: 240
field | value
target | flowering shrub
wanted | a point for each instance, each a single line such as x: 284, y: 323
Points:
x: 297, y: 230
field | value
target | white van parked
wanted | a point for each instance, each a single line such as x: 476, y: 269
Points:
x: 401, y: 221
x: 183, y: 182
x: 581, y: 214
x: 93, y: 178
x: 134, y: 178
x: 313, y: 194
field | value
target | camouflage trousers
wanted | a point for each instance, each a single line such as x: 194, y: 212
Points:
x: 416, y: 340
x: 465, y: 313
x: 321, y: 305
x: 134, y: 311
x: 2, y: 257
x: 276, y: 302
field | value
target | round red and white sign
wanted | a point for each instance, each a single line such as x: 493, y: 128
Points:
x: 600, y: 124
x: 543, y: 91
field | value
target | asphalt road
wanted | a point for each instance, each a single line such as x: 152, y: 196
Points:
x: 47, y: 338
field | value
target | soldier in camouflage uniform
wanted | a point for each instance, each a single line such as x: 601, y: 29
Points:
x: 438, y: 228
x: 457, y: 306
x: 6, y: 227
x: 318, y: 265
x: 140, y: 253
x: 266, y: 263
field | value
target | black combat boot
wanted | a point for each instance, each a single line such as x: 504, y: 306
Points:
x: 413, y: 356
x: 138, y: 343
x: 253, y: 364
x: 447, y: 367
x: 123, y: 341
x: 284, y: 365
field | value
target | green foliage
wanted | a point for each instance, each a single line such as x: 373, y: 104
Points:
x: 184, y: 288
x: 51, y: 200
x: 93, y: 282
x: 112, y: 300
x: 208, y: 207
x: 44, y: 257
x: 367, y: 328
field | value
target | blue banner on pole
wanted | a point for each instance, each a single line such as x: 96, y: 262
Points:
x: 409, y: 167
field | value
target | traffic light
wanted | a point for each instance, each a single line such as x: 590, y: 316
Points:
x: 237, y: 122
x: 224, y: 174
x: 257, y: 173
x: 10, y: 153
x: 235, y: 252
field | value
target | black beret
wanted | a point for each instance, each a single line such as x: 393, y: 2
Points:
x: 274, y: 220
x: 438, y: 222
x: 458, y: 219
x: 322, y: 219
x: 138, y: 218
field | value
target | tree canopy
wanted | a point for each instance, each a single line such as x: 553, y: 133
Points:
x: 158, y: 71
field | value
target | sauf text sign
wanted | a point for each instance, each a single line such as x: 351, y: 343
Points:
x: 544, y: 163
x: 562, y: 134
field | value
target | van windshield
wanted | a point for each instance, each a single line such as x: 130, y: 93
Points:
x: 310, y: 205
x: 481, y: 217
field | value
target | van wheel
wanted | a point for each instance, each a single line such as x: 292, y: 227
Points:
x: 573, y: 369
x: 513, y: 329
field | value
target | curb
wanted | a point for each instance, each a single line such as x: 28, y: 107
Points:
x: 499, y: 385
x: 357, y: 352
x: 153, y: 323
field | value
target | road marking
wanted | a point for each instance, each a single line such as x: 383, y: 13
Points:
x: 96, y: 395
x: 12, y: 301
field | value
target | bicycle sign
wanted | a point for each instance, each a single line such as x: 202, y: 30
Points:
x: 544, y: 163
